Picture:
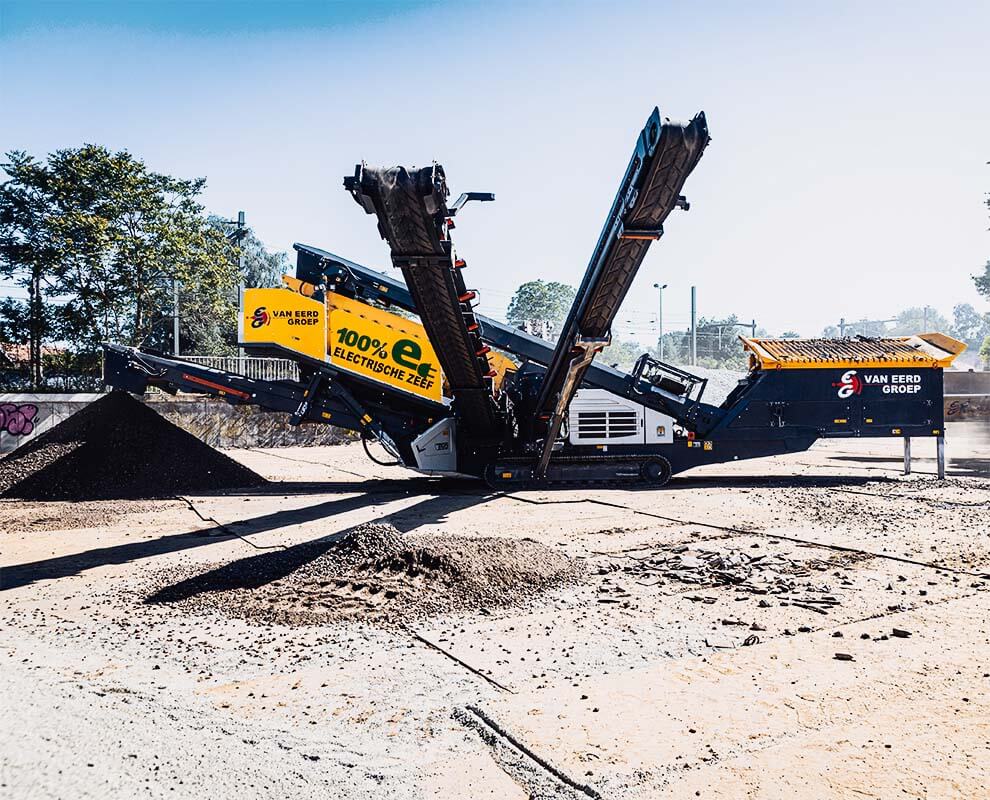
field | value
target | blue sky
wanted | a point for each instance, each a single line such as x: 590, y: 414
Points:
x: 845, y: 177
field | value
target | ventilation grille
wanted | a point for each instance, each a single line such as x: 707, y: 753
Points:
x: 607, y: 424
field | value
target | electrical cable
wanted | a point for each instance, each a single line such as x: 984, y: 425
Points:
x: 364, y: 443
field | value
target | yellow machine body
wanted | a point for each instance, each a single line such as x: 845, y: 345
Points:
x: 382, y: 346
x: 286, y: 318
x: 352, y: 335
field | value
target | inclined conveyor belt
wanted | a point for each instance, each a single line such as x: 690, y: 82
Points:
x: 666, y: 153
x: 413, y: 218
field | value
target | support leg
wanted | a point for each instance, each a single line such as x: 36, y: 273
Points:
x: 940, y: 451
x: 307, y: 398
x: 907, y: 455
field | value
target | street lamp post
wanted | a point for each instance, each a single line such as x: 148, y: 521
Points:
x: 694, y: 326
x: 660, y: 289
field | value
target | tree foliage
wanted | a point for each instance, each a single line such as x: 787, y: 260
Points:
x: 262, y: 268
x: 100, y: 240
x: 538, y: 301
x: 108, y: 237
x: 969, y: 326
x: 982, y: 281
x: 917, y: 319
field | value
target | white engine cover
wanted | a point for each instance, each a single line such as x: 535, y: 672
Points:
x: 597, y: 416
x: 435, y: 449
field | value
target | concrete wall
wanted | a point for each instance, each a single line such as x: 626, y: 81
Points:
x: 967, y: 395
x: 24, y: 416
x: 967, y: 382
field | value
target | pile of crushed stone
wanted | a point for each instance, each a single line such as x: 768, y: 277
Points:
x: 117, y: 448
x: 720, y: 382
x: 375, y: 574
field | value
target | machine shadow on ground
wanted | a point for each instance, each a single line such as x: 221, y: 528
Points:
x: 767, y: 481
x: 430, y: 510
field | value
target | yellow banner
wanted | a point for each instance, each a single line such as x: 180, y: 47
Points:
x: 284, y: 317
x: 384, y: 347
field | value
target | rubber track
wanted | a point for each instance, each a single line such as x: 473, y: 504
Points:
x: 400, y: 198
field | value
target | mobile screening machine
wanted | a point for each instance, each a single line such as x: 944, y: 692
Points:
x: 450, y: 391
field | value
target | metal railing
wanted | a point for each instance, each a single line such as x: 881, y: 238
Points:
x: 264, y: 369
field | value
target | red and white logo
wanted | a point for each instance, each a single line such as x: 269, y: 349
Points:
x: 849, y: 384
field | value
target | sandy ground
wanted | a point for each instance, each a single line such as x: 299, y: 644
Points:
x: 622, y: 685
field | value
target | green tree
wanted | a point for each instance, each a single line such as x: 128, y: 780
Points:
x: 98, y: 240
x: 30, y: 246
x: 918, y: 320
x: 262, y: 267
x: 969, y: 326
x: 622, y: 354
x: 717, y: 342
x: 983, y: 281
x: 790, y: 335
x: 539, y: 300
x: 985, y: 353
x: 862, y: 327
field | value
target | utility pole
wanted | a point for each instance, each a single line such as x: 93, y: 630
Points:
x: 660, y: 289
x: 175, y: 316
x: 240, y: 271
x: 694, y: 326
x: 842, y: 327
x: 752, y: 327
x: 925, y: 325
x: 35, y: 307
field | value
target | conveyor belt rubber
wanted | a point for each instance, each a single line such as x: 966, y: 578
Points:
x: 665, y: 155
x: 412, y: 217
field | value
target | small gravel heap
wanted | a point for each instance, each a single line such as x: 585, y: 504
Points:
x: 373, y: 573
x: 117, y: 448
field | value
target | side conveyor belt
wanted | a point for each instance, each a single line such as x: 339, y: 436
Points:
x: 666, y: 153
x: 413, y: 218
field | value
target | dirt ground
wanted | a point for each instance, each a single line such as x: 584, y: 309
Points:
x: 853, y: 662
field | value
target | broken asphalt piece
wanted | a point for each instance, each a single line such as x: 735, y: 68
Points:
x: 843, y: 657
x: 749, y: 573
x: 900, y: 634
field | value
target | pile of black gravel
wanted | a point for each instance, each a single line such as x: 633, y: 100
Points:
x: 117, y: 448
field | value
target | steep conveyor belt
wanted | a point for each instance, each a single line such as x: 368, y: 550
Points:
x: 412, y: 217
x: 666, y: 153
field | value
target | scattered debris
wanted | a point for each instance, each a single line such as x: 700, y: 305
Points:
x: 843, y: 657
x: 754, y: 574
x: 900, y: 633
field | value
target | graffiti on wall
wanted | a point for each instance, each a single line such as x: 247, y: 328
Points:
x: 18, y: 419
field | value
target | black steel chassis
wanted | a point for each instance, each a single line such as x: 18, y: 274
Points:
x: 324, y: 395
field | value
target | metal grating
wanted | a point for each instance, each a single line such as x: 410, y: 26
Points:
x: 807, y: 350
x: 607, y: 424
x: 923, y: 350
